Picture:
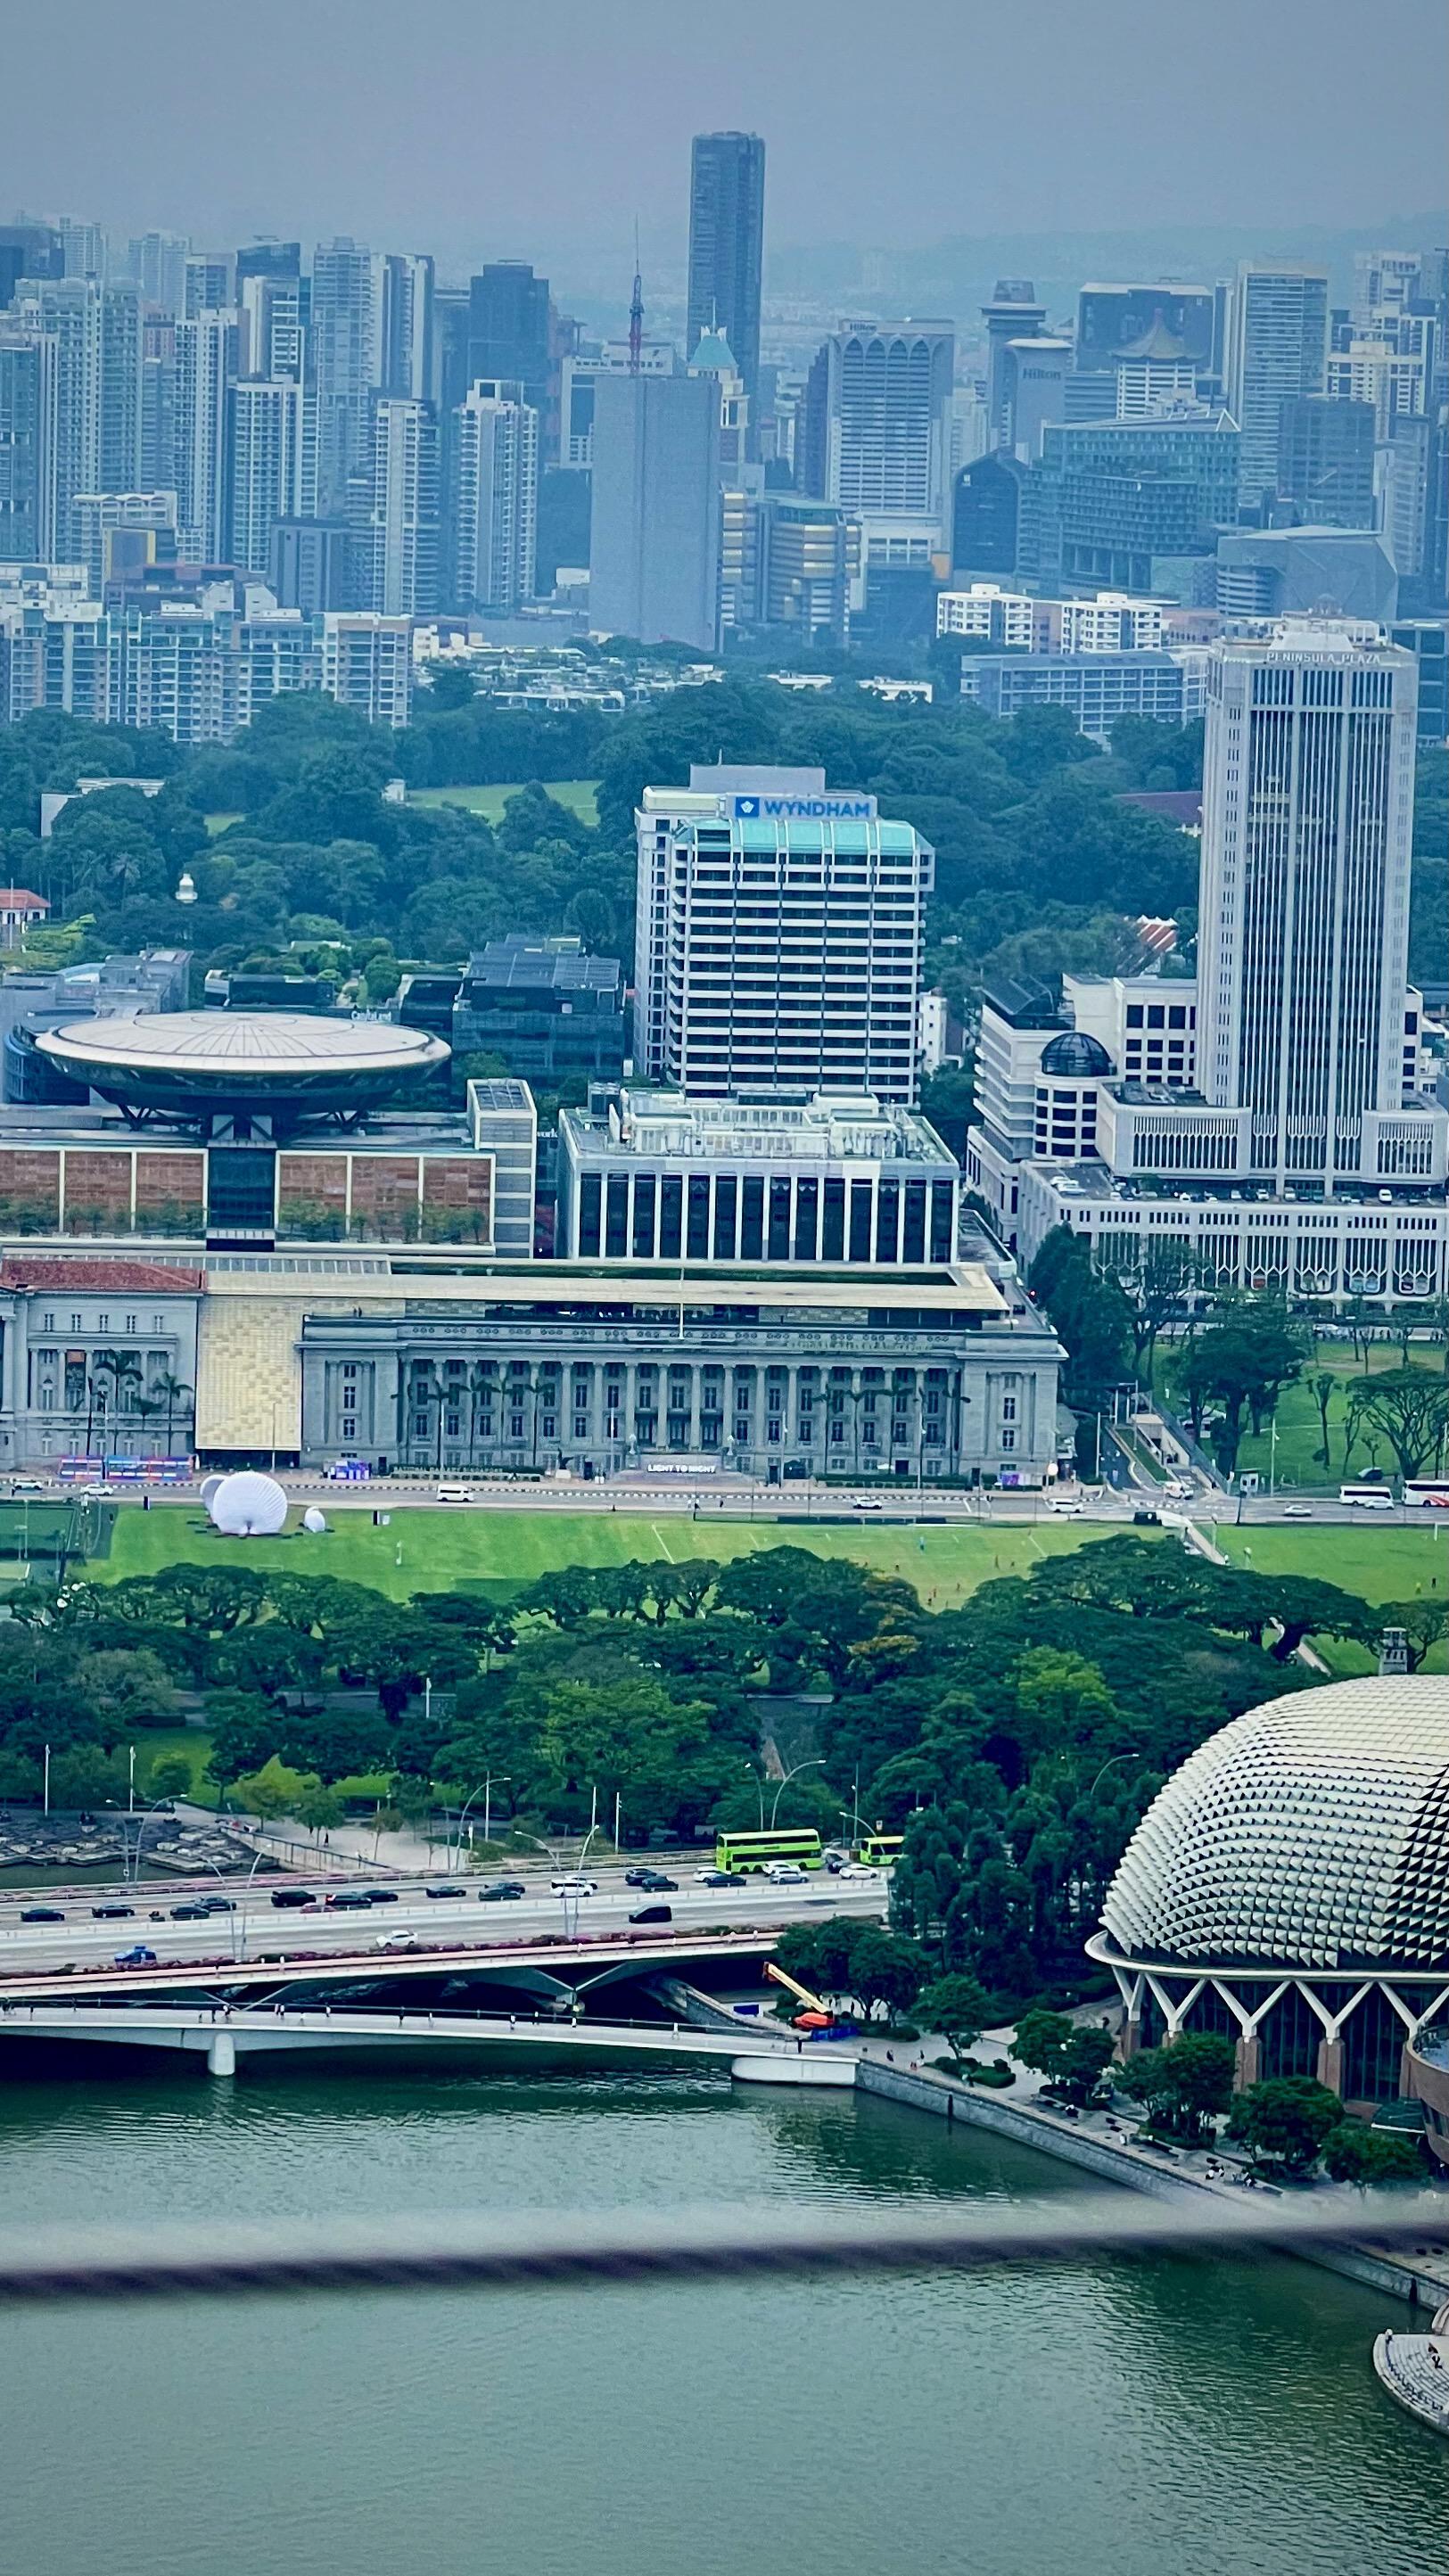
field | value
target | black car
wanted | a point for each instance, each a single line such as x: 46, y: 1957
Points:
x: 215, y: 1905
x: 41, y: 1914
x: 716, y: 1878
x: 190, y: 1913
x: 112, y: 1913
x: 653, y: 1914
x: 293, y: 1896
x: 445, y: 1891
x: 350, y: 1900
x: 505, y: 1887
x: 640, y: 1877
x: 658, y: 1884
x: 381, y: 1895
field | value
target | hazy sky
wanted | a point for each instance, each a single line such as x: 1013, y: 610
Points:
x: 493, y: 126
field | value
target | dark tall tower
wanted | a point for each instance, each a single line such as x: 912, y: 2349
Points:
x: 726, y: 247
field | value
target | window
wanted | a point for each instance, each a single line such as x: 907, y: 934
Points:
x: 581, y: 1426
x: 1008, y: 1408
x: 452, y: 1425
x: 420, y: 1426
x: 349, y: 1426
x: 549, y: 1426
x: 47, y: 1323
x: 515, y: 1426
x: 103, y: 1323
x: 1008, y: 1440
x: 130, y: 1323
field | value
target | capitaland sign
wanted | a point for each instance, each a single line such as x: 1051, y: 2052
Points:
x: 803, y: 809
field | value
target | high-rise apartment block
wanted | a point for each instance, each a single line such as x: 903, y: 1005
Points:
x: 1110, y: 499
x: 779, y: 936
x: 1278, y: 349
x: 266, y: 466
x: 404, y: 524
x: 495, y: 499
x: 346, y: 363
x: 726, y: 248
x: 28, y: 432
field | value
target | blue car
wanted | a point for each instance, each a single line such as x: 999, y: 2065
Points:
x: 140, y: 1957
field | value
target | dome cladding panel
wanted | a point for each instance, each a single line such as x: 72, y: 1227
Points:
x: 191, y: 1054
x: 1313, y: 1831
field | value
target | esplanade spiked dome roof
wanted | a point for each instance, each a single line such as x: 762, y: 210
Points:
x: 1312, y: 1832
x: 208, y: 1059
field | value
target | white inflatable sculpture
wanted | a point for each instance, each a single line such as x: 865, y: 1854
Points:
x: 248, y: 1505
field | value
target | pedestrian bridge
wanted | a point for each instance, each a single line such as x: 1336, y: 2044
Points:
x: 223, y: 2034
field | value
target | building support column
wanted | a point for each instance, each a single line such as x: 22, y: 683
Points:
x: 1330, y: 2065
x: 221, y: 2053
x: 1248, y: 2054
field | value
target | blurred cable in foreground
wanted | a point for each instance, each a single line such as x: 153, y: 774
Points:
x: 536, y: 2251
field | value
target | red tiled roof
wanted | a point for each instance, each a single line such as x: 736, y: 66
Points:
x: 13, y: 898
x: 122, y: 1278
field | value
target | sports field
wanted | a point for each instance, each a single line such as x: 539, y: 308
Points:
x: 579, y: 794
x: 1377, y: 1564
x: 503, y: 1551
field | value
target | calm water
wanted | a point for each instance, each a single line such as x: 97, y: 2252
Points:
x: 1128, y: 2419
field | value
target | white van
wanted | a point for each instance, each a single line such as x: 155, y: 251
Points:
x: 455, y: 1493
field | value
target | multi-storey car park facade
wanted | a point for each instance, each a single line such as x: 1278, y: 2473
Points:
x: 779, y: 937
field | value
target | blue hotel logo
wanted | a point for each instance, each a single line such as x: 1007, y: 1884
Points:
x: 804, y: 809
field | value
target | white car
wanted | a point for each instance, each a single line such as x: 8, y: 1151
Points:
x: 1297, y: 1512
x: 574, y: 1886
x: 858, y: 1870
x: 1070, y: 1510
x: 1180, y: 1490
x: 1376, y: 1502
x: 783, y: 1873
x: 869, y: 1503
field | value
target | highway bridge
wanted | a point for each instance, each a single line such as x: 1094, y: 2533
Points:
x: 223, y: 2033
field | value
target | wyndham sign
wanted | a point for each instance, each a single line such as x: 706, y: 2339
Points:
x: 802, y: 809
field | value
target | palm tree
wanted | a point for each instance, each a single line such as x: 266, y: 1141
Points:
x: 480, y: 1387
x: 175, y: 1393
x: 124, y: 1372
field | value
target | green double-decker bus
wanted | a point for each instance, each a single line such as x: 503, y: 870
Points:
x: 741, y: 1853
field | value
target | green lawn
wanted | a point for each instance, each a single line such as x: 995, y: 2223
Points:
x: 1377, y: 1564
x: 1292, y: 1460
x: 220, y: 822
x: 193, y: 1743
x: 579, y: 794
x: 505, y: 1550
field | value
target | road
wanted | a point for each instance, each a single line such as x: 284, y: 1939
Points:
x: 258, y: 1924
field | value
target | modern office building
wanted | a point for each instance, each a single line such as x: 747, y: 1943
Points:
x: 494, y: 512
x: 28, y: 436
x: 726, y: 247
x: 1271, y: 1113
x: 1096, y: 686
x: 779, y: 937
x: 1109, y: 499
x: 807, y: 565
x: 1427, y: 638
x: 510, y: 340
x: 985, y: 516
x: 887, y: 404
x: 27, y: 250
x: 266, y: 426
x: 823, y: 1178
x: 654, y: 556
x: 1326, y: 460
x: 1278, y: 350
x: 1012, y: 315
x: 404, y: 535
x: 1286, y: 1889
x: 1287, y: 572
x: 543, y: 1006
x: 1034, y: 376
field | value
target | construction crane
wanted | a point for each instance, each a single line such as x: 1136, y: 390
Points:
x: 817, y: 2014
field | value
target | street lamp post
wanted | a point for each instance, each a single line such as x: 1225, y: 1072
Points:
x: 816, y: 1762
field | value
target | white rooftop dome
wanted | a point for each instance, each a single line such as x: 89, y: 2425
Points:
x: 258, y: 1059
x: 1312, y: 1832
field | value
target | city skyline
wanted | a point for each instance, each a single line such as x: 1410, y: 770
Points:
x: 534, y: 161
